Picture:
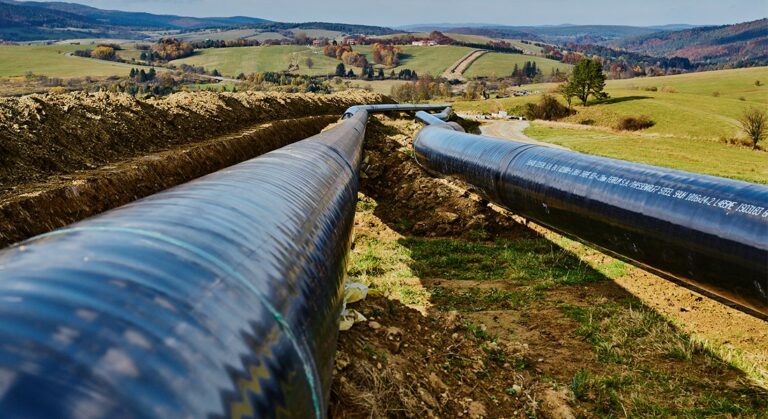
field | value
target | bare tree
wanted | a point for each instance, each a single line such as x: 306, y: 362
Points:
x: 309, y: 62
x: 754, y: 123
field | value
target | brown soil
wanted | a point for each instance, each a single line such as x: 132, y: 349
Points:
x: 424, y: 361
x: 44, y: 135
x: 40, y: 207
x: 418, y: 204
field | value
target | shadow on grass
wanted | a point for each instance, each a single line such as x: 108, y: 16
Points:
x: 579, y: 328
x: 613, y: 100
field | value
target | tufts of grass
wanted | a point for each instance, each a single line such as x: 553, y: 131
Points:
x: 620, y: 333
x: 524, y: 261
x: 579, y: 384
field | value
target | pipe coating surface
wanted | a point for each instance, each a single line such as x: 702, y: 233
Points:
x: 217, y: 298
x: 709, y: 232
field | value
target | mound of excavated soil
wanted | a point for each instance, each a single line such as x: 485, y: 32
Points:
x: 43, y: 135
x: 411, y: 201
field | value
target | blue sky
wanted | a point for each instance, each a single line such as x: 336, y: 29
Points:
x: 507, y: 12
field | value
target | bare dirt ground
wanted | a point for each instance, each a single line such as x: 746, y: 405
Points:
x: 474, y: 315
x: 66, y: 157
x: 44, y: 135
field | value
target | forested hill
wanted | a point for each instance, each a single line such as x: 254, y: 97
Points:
x: 745, y: 43
x: 33, y: 20
x: 57, y: 14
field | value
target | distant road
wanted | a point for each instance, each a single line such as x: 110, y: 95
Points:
x: 459, y: 67
x: 512, y: 130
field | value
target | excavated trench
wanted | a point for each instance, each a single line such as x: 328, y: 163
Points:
x: 66, y: 157
x: 65, y: 199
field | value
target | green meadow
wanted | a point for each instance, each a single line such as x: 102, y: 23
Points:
x: 53, y: 61
x: 694, y: 114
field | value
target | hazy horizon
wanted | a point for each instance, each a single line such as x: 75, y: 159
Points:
x: 410, y: 12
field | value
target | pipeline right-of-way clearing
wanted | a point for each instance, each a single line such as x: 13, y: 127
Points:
x: 222, y: 296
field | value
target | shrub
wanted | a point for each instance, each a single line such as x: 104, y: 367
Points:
x: 668, y: 89
x: 103, y: 53
x: 716, y: 94
x: 754, y: 123
x: 548, y: 109
x: 635, y: 123
x: 651, y: 89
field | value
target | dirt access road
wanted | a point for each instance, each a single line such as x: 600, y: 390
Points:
x: 459, y: 67
x: 512, y: 130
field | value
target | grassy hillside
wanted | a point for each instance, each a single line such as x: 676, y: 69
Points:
x: 425, y: 60
x: 692, y: 112
x: 52, y: 61
x: 232, y: 61
x: 693, y: 155
x: 499, y: 64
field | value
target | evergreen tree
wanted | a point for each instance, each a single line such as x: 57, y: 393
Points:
x: 133, y: 73
x: 341, y: 71
x: 381, y: 73
x: 142, y: 76
x: 587, y: 80
x: 152, y: 73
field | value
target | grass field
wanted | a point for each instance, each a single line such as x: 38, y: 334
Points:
x: 690, y: 119
x: 693, y: 155
x: 233, y: 61
x: 501, y: 65
x: 424, y: 60
x: 533, y: 49
x: 52, y: 61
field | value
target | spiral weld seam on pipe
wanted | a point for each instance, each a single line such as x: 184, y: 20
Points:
x: 710, y: 233
x: 219, y: 297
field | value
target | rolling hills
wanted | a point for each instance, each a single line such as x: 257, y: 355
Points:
x: 32, y: 20
x: 424, y: 60
x: 742, y: 42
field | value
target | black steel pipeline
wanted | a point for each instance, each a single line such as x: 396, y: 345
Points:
x: 710, y: 233
x: 434, y: 118
x: 220, y: 297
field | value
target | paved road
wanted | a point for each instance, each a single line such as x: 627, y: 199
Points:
x: 512, y: 130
